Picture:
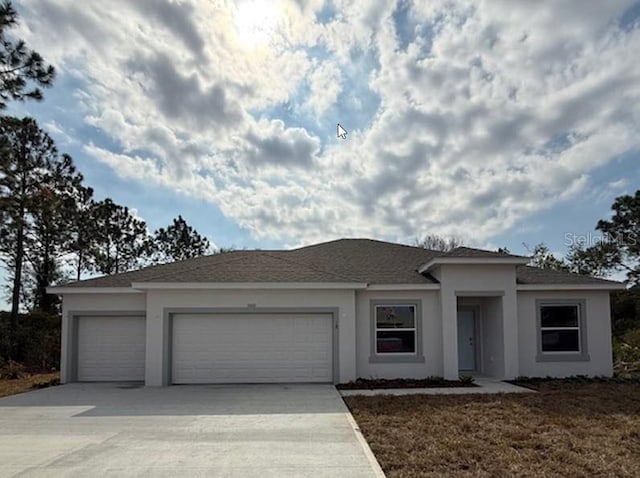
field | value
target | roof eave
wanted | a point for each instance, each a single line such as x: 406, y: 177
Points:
x: 60, y: 290
x: 248, y: 285
x: 437, y: 261
x: 552, y: 287
x: 416, y: 286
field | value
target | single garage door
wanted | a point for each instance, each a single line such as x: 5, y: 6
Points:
x: 251, y: 348
x: 111, y: 349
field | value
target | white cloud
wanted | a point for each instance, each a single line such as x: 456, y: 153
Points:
x: 495, y: 110
x: 325, y: 83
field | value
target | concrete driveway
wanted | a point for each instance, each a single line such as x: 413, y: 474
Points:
x: 207, y: 430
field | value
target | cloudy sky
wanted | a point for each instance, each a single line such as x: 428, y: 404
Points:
x: 501, y: 122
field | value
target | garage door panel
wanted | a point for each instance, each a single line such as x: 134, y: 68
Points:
x: 216, y: 348
x: 111, y: 348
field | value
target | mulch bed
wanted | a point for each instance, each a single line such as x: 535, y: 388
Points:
x: 381, y: 383
x: 550, y: 383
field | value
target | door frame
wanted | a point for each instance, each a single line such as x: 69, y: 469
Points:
x: 477, y: 335
x: 169, y: 312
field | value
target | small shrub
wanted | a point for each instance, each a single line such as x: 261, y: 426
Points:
x: 12, y: 370
x: 632, y: 338
x: 626, y: 353
x: 466, y: 379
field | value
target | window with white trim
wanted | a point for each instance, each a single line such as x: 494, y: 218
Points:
x: 395, y: 329
x: 560, y: 328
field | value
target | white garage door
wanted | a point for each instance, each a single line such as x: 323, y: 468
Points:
x: 252, y: 348
x: 111, y: 348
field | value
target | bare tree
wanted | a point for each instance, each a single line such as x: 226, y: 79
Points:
x: 435, y: 242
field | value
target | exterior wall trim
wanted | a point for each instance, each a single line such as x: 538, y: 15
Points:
x: 169, y: 312
x: 72, y: 331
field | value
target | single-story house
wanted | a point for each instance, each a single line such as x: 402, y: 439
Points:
x: 333, y: 312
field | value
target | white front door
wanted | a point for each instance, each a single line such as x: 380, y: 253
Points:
x: 466, y: 339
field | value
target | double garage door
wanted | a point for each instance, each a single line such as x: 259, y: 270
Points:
x: 251, y: 348
x: 212, y: 348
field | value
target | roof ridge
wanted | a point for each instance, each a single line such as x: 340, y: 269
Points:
x: 309, y: 246
x: 368, y: 239
x: 506, y: 254
x: 308, y: 266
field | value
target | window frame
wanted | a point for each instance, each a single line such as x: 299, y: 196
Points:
x: 396, y: 357
x: 562, y: 355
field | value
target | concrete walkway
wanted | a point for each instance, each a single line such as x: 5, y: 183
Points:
x: 124, y: 430
x: 485, y: 385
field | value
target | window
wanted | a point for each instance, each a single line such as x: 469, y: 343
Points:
x: 395, y: 329
x: 560, y: 328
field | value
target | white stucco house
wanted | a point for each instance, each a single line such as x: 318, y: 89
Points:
x: 334, y: 312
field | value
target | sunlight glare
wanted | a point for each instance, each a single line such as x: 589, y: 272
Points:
x: 255, y: 22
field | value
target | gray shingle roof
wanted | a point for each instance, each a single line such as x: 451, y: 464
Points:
x: 367, y: 260
x: 535, y: 275
x: 344, y: 260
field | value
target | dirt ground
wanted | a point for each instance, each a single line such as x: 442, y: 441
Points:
x: 29, y: 382
x: 566, y: 429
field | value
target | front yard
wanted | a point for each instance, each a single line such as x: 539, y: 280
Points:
x: 28, y: 382
x: 566, y: 429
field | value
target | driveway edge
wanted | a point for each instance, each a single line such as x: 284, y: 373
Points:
x: 377, y: 469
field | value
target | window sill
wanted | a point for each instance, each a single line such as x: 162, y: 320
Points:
x: 551, y: 357
x: 396, y: 358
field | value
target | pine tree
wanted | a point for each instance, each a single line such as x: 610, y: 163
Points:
x: 121, y: 238
x: 25, y: 152
x: 177, y: 242
x: 19, y: 66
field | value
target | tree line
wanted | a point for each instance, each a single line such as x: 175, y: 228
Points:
x: 614, y: 248
x: 52, y: 228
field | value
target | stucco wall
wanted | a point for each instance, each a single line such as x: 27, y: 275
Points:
x: 158, y: 300
x: 515, y: 336
x: 598, y: 335
x: 75, y: 303
x: 465, y: 280
x: 431, y: 336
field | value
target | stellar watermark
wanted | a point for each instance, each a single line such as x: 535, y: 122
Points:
x: 591, y: 239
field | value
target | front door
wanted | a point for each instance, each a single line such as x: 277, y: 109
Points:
x: 467, y: 339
